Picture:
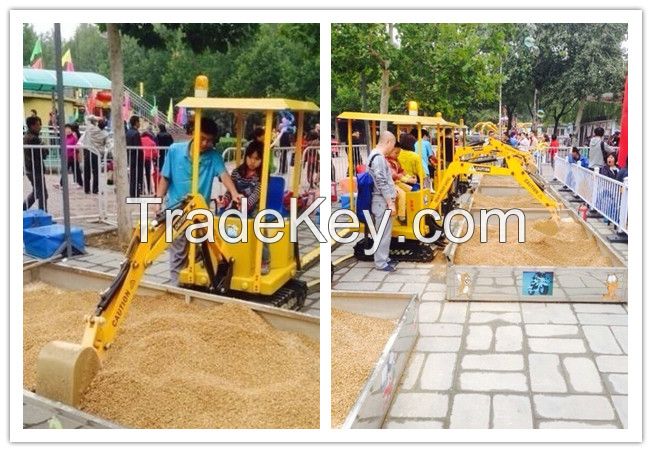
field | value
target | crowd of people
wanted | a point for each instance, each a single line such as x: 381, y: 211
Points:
x: 86, y: 150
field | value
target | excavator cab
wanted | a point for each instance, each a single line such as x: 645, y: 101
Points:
x: 242, y: 274
x: 405, y: 243
x: 64, y: 370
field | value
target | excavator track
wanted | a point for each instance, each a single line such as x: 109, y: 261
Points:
x: 408, y: 251
x: 291, y: 296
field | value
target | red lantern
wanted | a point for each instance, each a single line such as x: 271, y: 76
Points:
x: 104, y: 96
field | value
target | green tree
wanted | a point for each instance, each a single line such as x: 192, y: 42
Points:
x: 89, y: 49
x: 364, y: 59
x: 283, y: 61
x: 597, y: 63
x: 452, y: 68
x: 200, y: 37
x: 29, y: 39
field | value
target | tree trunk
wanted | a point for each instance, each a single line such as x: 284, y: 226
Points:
x: 534, y: 110
x: 363, y: 105
x: 557, y: 119
x: 119, y: 140
x: 510, y: 119
x: 578, y: 120
x: 385, y: 91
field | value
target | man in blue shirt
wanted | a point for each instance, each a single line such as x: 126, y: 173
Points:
x: 578, y: 158
x: 575, y: 158
x: 513, y: 141
x: 177, y: 178
x: 425, y: 156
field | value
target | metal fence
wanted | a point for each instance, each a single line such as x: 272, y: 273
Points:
x: 283, y: 165
x: 340, y: 159
x: 91, y: 179
x: 607, y: 196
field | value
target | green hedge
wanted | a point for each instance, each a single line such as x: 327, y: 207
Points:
x: 225, y: 143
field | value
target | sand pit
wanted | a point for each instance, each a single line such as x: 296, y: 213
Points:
x: 106, y: 240
x: 357, y: 342
x: 571, y: 246
x: 178, y: 365
x: 498, y: 181
x: 522, y: 201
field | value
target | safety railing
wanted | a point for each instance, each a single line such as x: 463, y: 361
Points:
x: 340, y: 159
x: 605, y: 195
x: 43, y: 182
x: 282, y: 165
x: 144, y: 109
x: 565, y: 151
x: 90, y: 172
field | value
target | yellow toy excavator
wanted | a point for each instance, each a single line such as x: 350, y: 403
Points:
x: 492, y: 151
x: 64, y: 370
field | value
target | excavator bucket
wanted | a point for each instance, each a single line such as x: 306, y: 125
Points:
x: 549, y: 226
x: 64, y: 371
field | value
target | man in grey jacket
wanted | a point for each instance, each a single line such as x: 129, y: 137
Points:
x: 383, y: 199
x: 95, y: 141
x: 598, y: 149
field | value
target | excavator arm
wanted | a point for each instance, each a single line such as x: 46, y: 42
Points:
x: 64, y: 370
x: 491, y: 151
x: 514, y: 169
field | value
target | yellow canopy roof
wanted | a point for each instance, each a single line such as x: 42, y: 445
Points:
x: 398, y: 119
x: 244, y: 104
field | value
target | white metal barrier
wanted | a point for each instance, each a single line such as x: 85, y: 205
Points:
x: 282, y: 165
x: 565, y: 151
x: 42, y: 178
x: 91, y: 191
x: 340, y: 159
x: 607, y: 196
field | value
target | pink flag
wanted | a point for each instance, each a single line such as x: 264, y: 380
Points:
x: 182, y: 116
x: 90, y: 103
x: 624, y: 131
x: 126, y: 107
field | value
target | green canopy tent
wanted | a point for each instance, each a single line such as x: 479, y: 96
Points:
x: 46, y: 80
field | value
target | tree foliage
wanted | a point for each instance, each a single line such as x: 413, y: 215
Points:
x: 29, y: 39
x: 445, y: 67
x: 239, y: 59
x: 455, y: 68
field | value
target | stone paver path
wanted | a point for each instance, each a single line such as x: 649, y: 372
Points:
x: 503, y: 364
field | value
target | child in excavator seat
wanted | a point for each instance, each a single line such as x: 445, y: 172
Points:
x: 247, y: 179
x: 402, y: 181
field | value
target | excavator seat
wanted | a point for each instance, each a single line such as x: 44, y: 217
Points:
x: 275, y: 192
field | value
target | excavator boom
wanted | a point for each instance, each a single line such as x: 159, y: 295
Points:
x: 64, y: 370
x: 514, y: 168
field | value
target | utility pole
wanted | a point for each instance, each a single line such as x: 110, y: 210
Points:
x: 500, y: 103
x: 61, y: 120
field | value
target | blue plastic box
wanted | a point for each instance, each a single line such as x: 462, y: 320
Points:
x: 42, y: 242
x: 345, y: 200
x: 34, y: 218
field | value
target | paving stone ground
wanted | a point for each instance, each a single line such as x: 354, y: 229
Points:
x: 503, y: 364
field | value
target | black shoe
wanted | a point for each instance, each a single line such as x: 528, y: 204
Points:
x: 392, y: 262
